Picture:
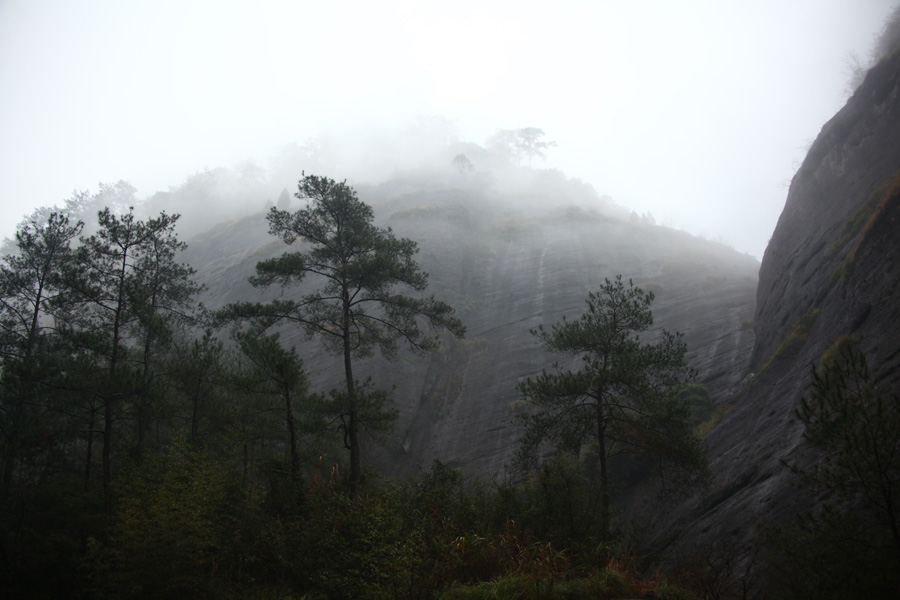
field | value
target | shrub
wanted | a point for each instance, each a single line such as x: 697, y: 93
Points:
x: 171, y: 528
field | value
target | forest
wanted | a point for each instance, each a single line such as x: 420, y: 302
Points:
x: 152, y: 448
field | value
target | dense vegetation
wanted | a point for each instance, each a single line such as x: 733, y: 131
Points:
x: 143, y: 456
x: 151, y: 450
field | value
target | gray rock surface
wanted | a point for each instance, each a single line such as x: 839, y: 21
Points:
x: 830, y: 270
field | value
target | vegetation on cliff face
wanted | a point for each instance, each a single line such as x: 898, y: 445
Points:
x: 798, y: 335
x: 867, y: 215
x: 856, y: 430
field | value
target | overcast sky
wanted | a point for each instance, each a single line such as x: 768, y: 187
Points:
x: 696, y: 111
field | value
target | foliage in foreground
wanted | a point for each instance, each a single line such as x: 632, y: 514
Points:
x: 856, y: 430
x: 184, y: 526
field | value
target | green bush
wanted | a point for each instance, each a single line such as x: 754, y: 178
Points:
x: 172, y: 528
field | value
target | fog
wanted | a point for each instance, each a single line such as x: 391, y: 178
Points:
x: 697, y: 112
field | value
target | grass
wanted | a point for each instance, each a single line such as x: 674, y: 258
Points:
x: 844, y: 271
x: 835, y: 348
x: 799, y: 333
x: 704, y: 428
x: 861, y: 224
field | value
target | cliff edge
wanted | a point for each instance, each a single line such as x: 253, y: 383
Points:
x: 830, y: 270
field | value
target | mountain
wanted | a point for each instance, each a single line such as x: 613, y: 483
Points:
x: 510, y: 250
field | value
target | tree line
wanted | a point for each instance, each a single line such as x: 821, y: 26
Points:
x: 142, y: 456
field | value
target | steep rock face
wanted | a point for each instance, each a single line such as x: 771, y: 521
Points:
x: 831, y: 270
x: 509, y: 258
x: 827, y: 207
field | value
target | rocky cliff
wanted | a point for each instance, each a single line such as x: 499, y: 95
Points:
x: 830, y: 270
x: 510, y: 252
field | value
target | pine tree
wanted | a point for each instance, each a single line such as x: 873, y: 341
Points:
x: 624, y: 396
x: 124, y: 275
x: 29, y: 285
x: 360, y: 305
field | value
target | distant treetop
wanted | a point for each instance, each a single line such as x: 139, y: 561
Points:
x: 521, y: 143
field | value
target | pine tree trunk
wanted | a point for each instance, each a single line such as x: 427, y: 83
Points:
x: 111, y: 391
x: 292, y: 435
x: 107, y: 454
x: 89, y: 455
x: 195, y: 412
x: 142, y: 417
x: 352, y: 425
x: 604, y: 473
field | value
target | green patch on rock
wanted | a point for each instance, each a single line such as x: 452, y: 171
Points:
x: 793, y: 342
x: 862, y: 222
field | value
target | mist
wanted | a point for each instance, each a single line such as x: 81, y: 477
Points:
x: 697, y: 113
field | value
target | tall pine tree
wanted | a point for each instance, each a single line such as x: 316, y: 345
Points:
x: 365, y: 274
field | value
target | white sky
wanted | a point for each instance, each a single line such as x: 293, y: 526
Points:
x: 698, y: 111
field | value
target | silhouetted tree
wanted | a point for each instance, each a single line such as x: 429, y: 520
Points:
x: 163, y: 295
x: 624, y: 398
x: 359, y: 306
x: 123, y: 274
x: 858, y: 431
x: 196, y: 368
x: 29, y: 284
x: 279, y: 373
